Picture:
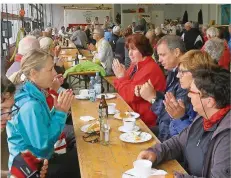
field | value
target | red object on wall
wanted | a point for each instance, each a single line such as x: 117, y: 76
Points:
x: 73, y: 25
x: 21, y: 13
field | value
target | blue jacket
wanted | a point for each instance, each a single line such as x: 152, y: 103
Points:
x: 168, y: 126
x: 34, y: 127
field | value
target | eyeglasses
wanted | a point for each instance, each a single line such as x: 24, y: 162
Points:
x: 11, y: 113
x: 92, y: 137
x: 182, y: 72
x: 194, y: 92
x: 198, y: 93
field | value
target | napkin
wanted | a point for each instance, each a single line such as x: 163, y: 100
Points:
x: 87, y: 118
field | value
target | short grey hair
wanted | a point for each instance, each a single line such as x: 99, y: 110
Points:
x: 188, y: 24
x: 36, y: 32
x: 99, y: 31
x: 212, y: 32
x: 173, y: 42
x: 214, y: 47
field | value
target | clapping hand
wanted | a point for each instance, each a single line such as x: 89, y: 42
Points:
x: 57, y: 82
x: 64, y: 101
x: 137, y: 90
x: 118, y: 69
x: 147, y: 91
x: 176, y: 109
x: 57, y: 51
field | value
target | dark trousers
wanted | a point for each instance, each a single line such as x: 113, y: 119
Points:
x: 64, y: 165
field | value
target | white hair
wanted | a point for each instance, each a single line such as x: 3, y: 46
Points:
x: 27, y: 44
x: 46, y: 43
x: 188, y: 24
x: 212, y: 32
x: 158, y: 30
x: 48, y: 29
x: 214, y: 47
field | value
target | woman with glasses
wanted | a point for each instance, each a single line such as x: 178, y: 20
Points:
x: 189, y: 62
x: 35, y: 127
x: 205, y: 144
x: 7, y: 101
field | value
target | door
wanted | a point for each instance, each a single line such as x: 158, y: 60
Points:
x: 157, y: 18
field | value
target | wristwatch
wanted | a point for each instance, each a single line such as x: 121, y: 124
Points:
x: 153, y: 100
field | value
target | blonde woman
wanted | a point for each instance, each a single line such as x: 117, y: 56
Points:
x: 35, y: 127
x: 189, y: 62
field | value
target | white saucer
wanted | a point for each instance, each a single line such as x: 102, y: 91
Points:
x: 122, y: 129
x: 113, y: 112
x: 82, y: 97
x: 132, y: 173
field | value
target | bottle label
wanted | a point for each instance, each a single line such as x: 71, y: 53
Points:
x: 97, y: 88
x: 92, y: 95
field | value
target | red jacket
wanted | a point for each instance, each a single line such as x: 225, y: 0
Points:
x: 225, y: 58
x: 50, y: 99
x: 125, y: 86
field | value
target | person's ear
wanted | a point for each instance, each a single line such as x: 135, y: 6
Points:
x: 33, y: 74
x: 211, y: 102
x: 177, y: 52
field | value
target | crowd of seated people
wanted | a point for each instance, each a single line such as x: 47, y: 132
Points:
x: 173, y: 80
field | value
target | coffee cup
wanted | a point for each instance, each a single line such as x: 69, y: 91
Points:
x: 129, y: 123
x: 84, y: 92
x: 111, y: 107
x: 142, y: 168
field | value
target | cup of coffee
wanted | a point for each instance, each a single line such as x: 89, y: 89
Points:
x: 84, y: 92
x: 111, y: 108
x: 129, y: 123
x: 142, y: 167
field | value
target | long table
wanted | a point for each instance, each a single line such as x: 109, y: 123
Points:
x: 98, y: 161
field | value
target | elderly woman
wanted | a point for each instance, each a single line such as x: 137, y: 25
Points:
x: 214, y: 47
x: 224, y: 61
x: 142, y: 69
x: 7, y: 102
x: 189, y: 62
x: 205, y: 144
x: 35, y: 127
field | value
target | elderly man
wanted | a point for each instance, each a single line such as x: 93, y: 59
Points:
x: 192, y: 37
x: 79, y: 38
x: 102, y: 51
x: 25, y: 45
x: 169, y: 48
x: 115, y: 36
x: 224, y: 61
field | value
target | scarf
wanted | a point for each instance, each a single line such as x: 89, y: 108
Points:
x: 208, y: 123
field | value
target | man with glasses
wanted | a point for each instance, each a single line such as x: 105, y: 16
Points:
x: 170, y: 48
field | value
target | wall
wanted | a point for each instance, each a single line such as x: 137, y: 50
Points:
x: 210, y: 12
x: 58, y: 12
x: 169, y: 13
